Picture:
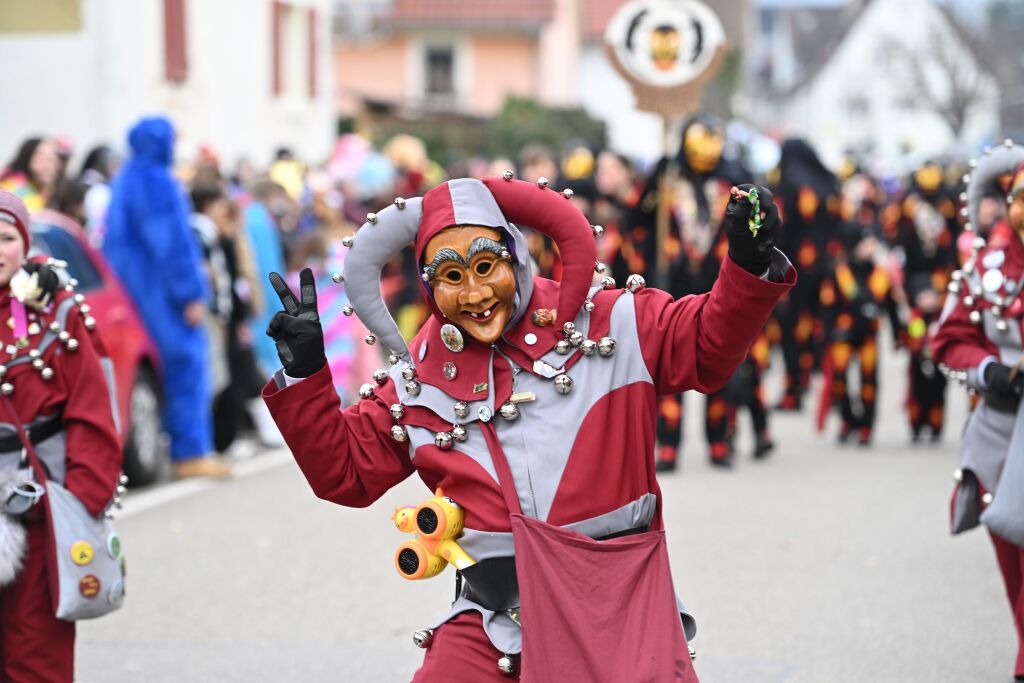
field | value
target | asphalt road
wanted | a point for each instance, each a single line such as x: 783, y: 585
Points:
x: 821, y: 564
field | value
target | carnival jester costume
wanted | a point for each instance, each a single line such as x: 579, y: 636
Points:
x: 532, y: 404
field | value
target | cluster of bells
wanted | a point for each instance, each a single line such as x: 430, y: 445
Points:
x: 424, y: 637
x: 118, y: 500
x: 63, y: 336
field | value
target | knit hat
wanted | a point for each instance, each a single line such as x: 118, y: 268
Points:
x: 13, y: 211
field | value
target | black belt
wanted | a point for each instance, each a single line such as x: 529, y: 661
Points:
x: 37, y: 433
x: 493, y: 584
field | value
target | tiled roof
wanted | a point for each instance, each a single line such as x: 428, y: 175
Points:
x: 492, y: 14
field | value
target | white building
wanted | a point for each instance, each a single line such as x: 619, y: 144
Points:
x: 244, y: 76
x: 863, y: 92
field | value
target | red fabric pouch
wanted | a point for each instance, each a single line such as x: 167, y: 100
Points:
x: 593, y: 610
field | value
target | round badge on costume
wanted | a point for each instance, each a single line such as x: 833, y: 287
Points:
x: 89, y: 586
x: 114, y: 546
x: 484, y: 414
x: 992, y: 281
x: 450, y: 371
x: 82, y: 553
x: 452, y: 339
x: 116, y: 592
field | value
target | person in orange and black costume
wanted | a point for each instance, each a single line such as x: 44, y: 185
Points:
x: 926, y: 392
x: 853, y: 298
x: 809, y: 195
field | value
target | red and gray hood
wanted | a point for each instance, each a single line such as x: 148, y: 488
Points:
x: 493, y: 202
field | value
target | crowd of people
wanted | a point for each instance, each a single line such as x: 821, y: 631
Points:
x: 864, y: 249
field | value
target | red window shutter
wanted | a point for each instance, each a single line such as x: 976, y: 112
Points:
x: 175, y: 55
x: 311, y: 15
x: 275, y: 40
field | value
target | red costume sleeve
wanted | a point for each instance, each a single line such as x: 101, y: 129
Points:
x: 347, y: 456
x: 698, y: 341
x: 93, y: 448
x: 959, y: 343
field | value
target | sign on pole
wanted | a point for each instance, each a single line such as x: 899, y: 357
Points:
x: 667, y: 50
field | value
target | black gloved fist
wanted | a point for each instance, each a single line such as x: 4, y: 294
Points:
x: 751, y: 252
x: 296, y: 329
x: 48, y: 281
x: 1003, y: 387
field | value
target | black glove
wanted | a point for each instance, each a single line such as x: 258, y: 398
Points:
x: 752, y: 253
x: 296, y: 329
x: 49, y: 282
x: 998, y: 382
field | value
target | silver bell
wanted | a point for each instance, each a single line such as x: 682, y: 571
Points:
x: 600, y: 268
x: 567, y: 193
x: 1001, y: 325
x: 635, y: 283
x: 423, y: 638
x: 38, y: 364
x: 542, y: 182
x: 607, y: 282
x: 400, y: 202
x: 986, y: 498
x: 347, y: 241
x: 693, y: 653
x: 35, y: 354
x: 443, y: 440
x: 562, y: 347
x: 64, y: 337
x: 380, y: 376
x: 85, y: 308
x: 412, y: 388
x: 606, y: 346
x: 598, y: 230
x: 563, y: 384
x: 348, y: 310
x: 509, y: 411
x: 397, y: 411
x: 338, y: 278
x: 459, y: 433
x: 568, y: 328
x: 393, y: 359
x: 47, y: 374
x: 371, y: 218
x: 588, y: 305
x: 954, y: 288
x: 123, y: 479
x: 588, y: 347
x: 409, y: 373
x: 508, y: 174
x: 55, y: 326
x: 975, y: 317
x: 958, y: 475
x: 72, y: 344
x: 968, y: 301
x: 6, y: 388
x: 79, y: 299
x: 461, y: 409
x: 366, y: 391
x: 370, y: 339
x: 506, y: 665
x: 399, y: 434
x: 576, y: 338
x: 978, y: 243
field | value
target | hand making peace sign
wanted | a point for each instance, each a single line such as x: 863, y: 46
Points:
x: 296, y: 329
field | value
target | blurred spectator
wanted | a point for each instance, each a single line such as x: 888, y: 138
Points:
x: 287, y: 172
x: 150, y: 246
x: 33, y: 172
x: 69, y: 198
x: 98, y: 168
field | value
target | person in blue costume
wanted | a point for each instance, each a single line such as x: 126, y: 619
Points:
x: 150, y: 246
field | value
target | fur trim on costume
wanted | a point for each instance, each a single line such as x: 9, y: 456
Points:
x: 13, y: 538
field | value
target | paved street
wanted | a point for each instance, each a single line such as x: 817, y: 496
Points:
x: 820, y: 564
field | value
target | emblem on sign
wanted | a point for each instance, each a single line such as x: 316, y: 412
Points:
x: 452, y: 339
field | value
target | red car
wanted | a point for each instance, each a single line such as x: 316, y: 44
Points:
x: 134, y: 356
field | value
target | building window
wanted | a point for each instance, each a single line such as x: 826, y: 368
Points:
x: 440, y: 68
x: 175, y: 44
x: 293, y: 48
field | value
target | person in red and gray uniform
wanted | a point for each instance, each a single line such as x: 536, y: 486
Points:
x: 979, y: 344
x: 64, y: 404
x: 563, y: 377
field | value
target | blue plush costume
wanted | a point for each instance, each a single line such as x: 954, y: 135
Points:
x: 151, y: 247
x: 269, y: 255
